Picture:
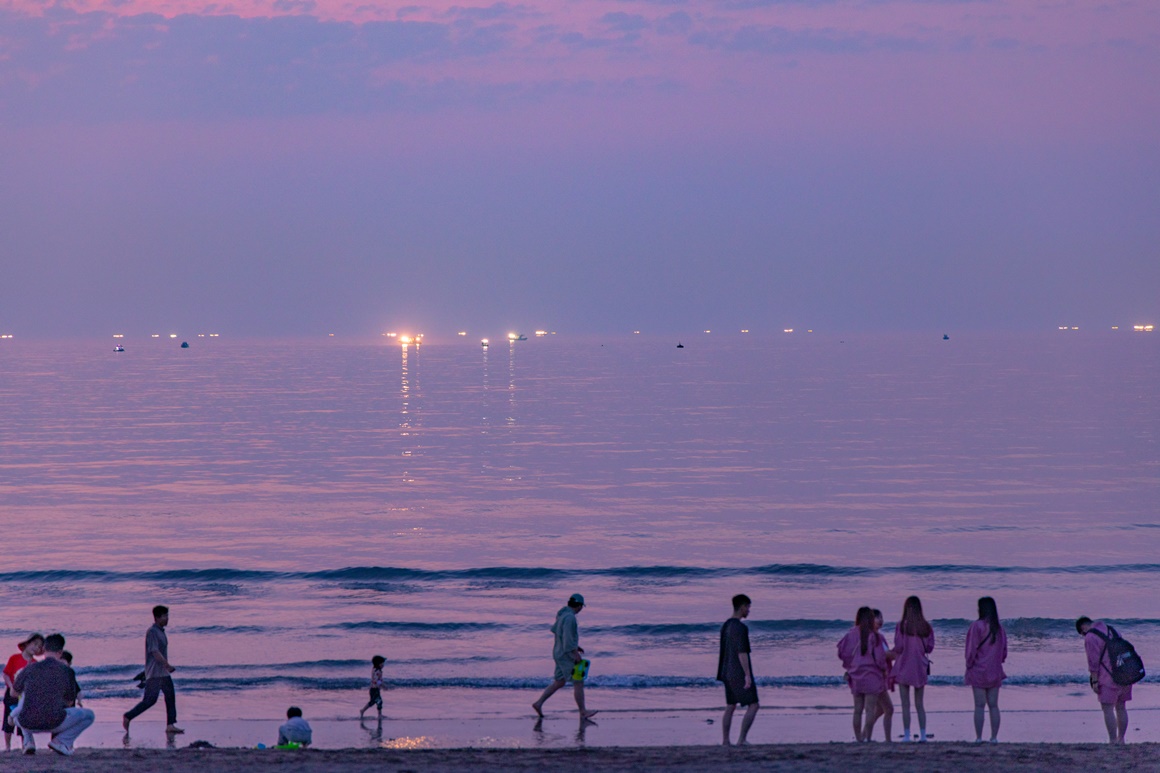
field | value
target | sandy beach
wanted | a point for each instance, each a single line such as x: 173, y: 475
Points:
x: 820, y: 758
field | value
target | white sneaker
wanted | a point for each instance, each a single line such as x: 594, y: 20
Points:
x: 60, y: 748
x: 906, y: 737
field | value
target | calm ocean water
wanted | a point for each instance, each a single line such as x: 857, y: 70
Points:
x: 304, y: 505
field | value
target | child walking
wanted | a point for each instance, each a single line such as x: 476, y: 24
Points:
x: 376, y: 695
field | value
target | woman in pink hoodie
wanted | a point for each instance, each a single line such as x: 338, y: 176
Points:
x: 1113, y: 697
x: 986, y: 650
x: 865, y: 660
x: 913, y: 642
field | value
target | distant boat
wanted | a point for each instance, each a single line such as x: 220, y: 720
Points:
x: 680, y: 345
x: 118, y: 348
x: 946, y: 337
x: 520, y: 337
x: 185, y: 344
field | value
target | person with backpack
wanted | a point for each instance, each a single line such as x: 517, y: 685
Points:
x: 986, y: 649
x: 1114, y: 666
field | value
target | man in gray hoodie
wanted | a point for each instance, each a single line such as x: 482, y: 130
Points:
x: 566, y: 651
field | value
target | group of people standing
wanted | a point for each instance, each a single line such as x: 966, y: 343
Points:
x: 874, y: 668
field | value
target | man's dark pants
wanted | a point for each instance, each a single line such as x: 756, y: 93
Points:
x: 153, y: 686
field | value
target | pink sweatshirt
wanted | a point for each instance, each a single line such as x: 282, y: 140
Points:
x: 985, y: 657
x: 910, y: 667
x: 1100, y: 664
x: 864, y: 673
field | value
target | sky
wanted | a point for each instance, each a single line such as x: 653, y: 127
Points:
x: 305, y: 167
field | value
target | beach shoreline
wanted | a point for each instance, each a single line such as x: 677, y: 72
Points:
x: 815, y: 758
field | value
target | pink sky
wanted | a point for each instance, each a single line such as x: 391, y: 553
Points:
x: 1017, y: 134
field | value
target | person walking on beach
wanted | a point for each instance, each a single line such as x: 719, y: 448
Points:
x: 865, y: 661
x: 985, y: 650
x: 376, y: 695
x: 735, y: 670
x: 566, y: 651
x: 157, y: 674
x: 27, y: 652
x: 48, y: 687
x: 913, y: 642
x: 1113, y: 697
x: 885, y: 704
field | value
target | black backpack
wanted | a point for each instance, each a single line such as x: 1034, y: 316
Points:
x: 1127, y: 668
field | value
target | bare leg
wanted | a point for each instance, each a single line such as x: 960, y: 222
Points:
x: 1122, y: 720
x: 980, y: 706
x: 920, y: 709
x: 859, y: 704
x: 886, y: 710
x: 726, y: 724
x: 993, y: 709
x: 904, y: 699
x: 549, y: 691
x: 873, y: 711
x: 746, y: 723
x: 578, y: 692
x: 1110, y: 721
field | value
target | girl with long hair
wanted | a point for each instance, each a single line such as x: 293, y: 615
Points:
x: 864, y: 659
x: 986, y: 649
x: 885, y: 704
x: 913, y: 643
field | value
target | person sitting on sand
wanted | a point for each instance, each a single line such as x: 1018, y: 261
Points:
x: 566, y: 651
x: 27, y: 651
x: 295, y: 729
x: 376, y: 694
x: 47, y: 688
x: 1113, y: 697
x: 735, y: 671
x: 985, y: 650
x: 866, y: 662
x: 157, y: 674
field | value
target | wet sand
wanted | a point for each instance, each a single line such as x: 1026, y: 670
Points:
x: 816, y: 758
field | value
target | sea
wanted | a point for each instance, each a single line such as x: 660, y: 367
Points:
x: 303, y: 505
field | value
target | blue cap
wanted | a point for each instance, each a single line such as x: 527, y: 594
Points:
x: 576, y: 598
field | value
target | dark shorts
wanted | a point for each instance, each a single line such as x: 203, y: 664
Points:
x: 735, y: 693
x: 10, y: 702
x: 376, y: 697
